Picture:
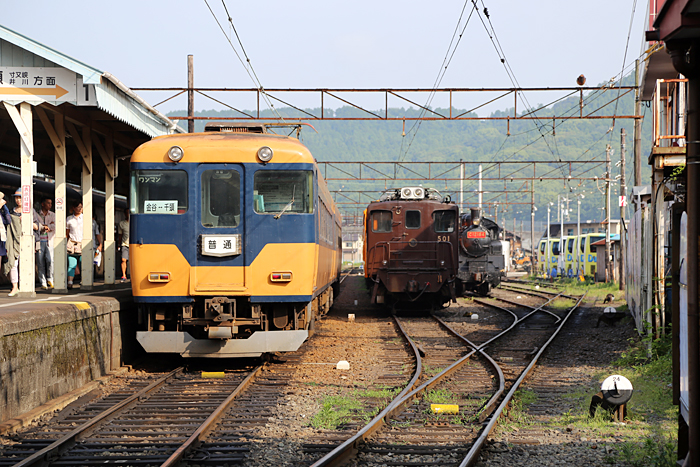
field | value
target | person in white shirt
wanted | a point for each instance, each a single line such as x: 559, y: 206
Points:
x: 46, y: 220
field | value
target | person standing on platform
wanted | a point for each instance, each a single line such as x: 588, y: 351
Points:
x: 123, y: 231
x: 46, y: 220
x: 5, y: 215
x: 14, y: 232
x: 74, y: 234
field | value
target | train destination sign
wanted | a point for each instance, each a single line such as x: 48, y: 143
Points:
x: 37, y: 84
x: 221, y: 245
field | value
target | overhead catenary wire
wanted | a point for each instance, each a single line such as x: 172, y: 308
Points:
x: 248, y: 66
x: 441, y: 74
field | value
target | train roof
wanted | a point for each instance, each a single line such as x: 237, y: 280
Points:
x: 224, y: 147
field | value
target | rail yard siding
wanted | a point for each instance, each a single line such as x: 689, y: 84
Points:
x: 60, y: 348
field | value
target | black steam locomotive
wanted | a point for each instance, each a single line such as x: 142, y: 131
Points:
x: 481, y: 260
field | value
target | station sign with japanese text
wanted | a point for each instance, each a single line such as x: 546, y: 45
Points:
x: 37, y: 84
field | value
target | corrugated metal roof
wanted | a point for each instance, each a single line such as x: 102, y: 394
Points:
x: 112, y: 96
x: 90, y: 75
x: 123, y: 107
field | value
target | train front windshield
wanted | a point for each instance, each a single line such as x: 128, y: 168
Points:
x: 275, y: 189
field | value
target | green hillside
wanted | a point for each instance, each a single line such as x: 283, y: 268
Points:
x: 482, y: 141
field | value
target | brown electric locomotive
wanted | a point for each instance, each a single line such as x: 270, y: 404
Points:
x: 410, y: 251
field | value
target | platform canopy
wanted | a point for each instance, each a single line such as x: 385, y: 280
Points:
x: 56, y: 112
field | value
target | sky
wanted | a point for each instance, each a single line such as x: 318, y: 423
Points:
x: 333, y: 44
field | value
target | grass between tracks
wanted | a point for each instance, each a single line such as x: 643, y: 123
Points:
x: 648, y: 437
x: 596, y: 290
x: 338, y: 410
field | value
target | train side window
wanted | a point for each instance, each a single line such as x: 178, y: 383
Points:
x: 221, y: 198
x: 158, y: 191
x: 444, y: 221
x: 274, y: 190
x: 413, y: 219
x: 381, y: 221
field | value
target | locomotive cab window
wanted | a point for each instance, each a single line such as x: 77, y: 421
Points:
x: 413, y: 219
x: 283, y: 191
x: 570, y: 245
x: 158, y: 191
x: 555, y: 248
x: 221, y: 198
x: 542, y: 246
x: 444, y: 221
x: 381, y: 221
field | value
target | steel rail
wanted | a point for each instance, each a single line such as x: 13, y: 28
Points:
x: 487, y: 408
x: 472, y: 456
x: 544, y: 285
x: 47, y: 455
x: 534, y: 293
x: 510, y: 302
x: 341, y: 453
x: 205, y: 428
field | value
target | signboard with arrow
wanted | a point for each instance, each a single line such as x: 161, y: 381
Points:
x: 37, y: 85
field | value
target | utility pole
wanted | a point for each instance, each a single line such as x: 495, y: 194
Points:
x: 623, y: 202
x: 461, y: 187
x: 637, y: 128
x: 549, y: 244
x: 532, y: 220
x: 190, y: 93
x: 608, y: 275
x: 481, y: 193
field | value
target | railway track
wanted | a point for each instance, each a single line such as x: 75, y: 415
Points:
x: 180, y: 418
x: 404, y: 433
x: 152, y: 421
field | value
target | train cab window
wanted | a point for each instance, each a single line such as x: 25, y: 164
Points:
x: 221, y: 198
x: 444, y: 221
x: 555, y: 248
x: 583, y: 244
x: 570, y: 245
x: 158, y: 191
x: 413, y: 219
x: 283, y: 191
x: 542, y: 245
x: 381, y: 221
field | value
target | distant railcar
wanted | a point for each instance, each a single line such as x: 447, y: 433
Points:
x: 481, y: 257
x: 235, y: 242
x: 410, y: 249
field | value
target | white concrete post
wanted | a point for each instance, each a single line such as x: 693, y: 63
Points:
x: 23, y: 122
x: 86, y: 265
x: 57, y: 134
x: 106, y: 152
x: 109, y: 250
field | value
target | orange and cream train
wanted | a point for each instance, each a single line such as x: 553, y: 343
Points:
x: 235, y: 242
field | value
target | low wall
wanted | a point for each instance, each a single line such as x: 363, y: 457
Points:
x: 49, y: 350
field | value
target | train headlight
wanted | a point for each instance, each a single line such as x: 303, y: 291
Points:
x: 175, y: 153
x: 265, y: 154
x: 385, y: 262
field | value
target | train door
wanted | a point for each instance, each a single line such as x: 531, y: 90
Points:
x: 570, y: 256
x: 554, y: 258
x: 542, y: 256
x: 219, y: 230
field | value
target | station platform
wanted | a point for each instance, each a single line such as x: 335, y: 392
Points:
x: 55, y: 343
